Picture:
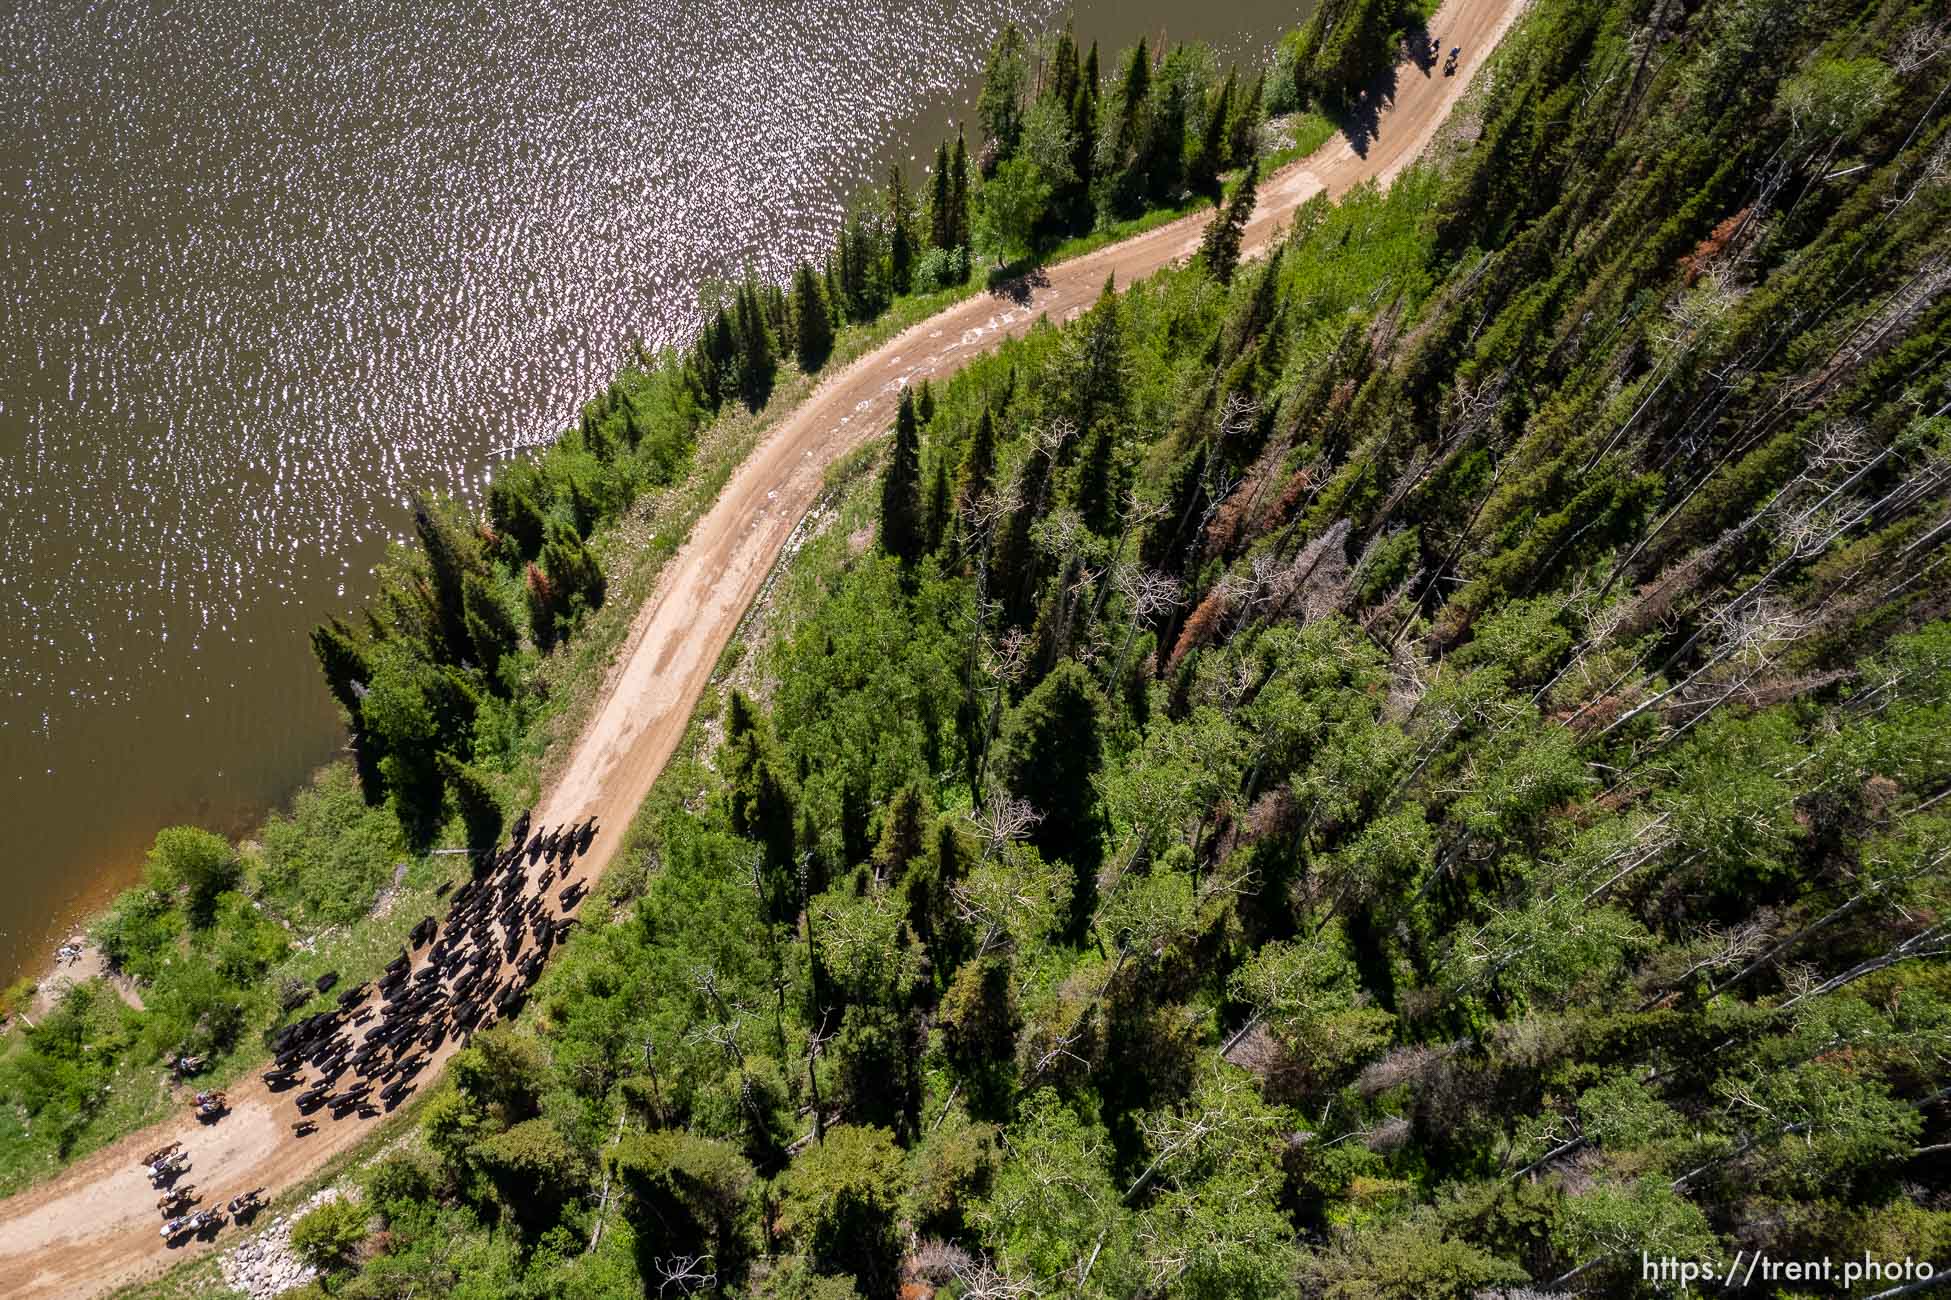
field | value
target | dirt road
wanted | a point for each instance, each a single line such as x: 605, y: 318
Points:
x: 94, y: 1227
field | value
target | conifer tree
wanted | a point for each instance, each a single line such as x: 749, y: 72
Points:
x: 812, y: 326
x: 901, y: 522
x: 717, y: 355
x: 927, y: 887
x: 904, y: 831
x: 830, y: 281
x: 1161, y: 164
x: 541, y: 596
x: 1093, y: 375
x: 1099, y: 481
x: 979, y: 1024
x: 592, y: 435
x: 572, y: 565
x: 1220, y: 249
x: 1000, y: 105
x: 941, y: 229
x: 490, y: 630
x: 1209, y: 157
x: 1083, y: 130
x: 938, y: 515
x: 776, y: 317
x: 448, y: 559
x: 1134, y: 96
x: 756, y: 363
x: 583, y: 509
x: 760, y: 803
x: 633, y: 429
x: 855, y: 257
x: 1061, y: 85
x: 1017, y: 564
x: 345, y: 666
x: 958, y: 193
x: 978, y: 466
x: 567, y: 582
x: 1051, y: 748
x: 515, y: 515
x: 1243, y: 132
x: 900, y: 232
x: 454, y: 702
x: 480, y: 812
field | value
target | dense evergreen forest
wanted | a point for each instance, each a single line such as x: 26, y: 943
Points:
x: 1415, y: 765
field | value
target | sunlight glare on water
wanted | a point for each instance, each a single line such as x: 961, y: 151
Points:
x: 269, y: 269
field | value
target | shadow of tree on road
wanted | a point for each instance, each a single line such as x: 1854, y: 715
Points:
x: 1017, y: 285
x: 1361, y: 118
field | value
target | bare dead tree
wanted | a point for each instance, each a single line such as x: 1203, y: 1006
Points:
x: 815, y: 1044
x: 1137, y: 513
x: 1005, y: 661
x: 1149, y: 594
x: 686, y: 1273
x: 979, y: 1280
x: 1922, y: 44
x: 1934, y: 941
x: 1002, y: 821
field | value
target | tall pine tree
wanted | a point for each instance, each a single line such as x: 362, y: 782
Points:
x: 812, y: 325
x: 1076, y: 200
x: 941, y: 221
x: 958, y: 193
x: 1000, y: 105
x: 756, y: 362
x: 346, y: 670
x: 760, y: 802
x: 1220, y: 249
x: 1243, y: 132
x: 978, y: 466
x: 1209, y: 158
x: 449, y: 558
x: 941, y: 504
x: 490, y: 630
x: 900, y: 232
x: 1051, y: 748
x: 902, y: 534
x: 1133, y: 129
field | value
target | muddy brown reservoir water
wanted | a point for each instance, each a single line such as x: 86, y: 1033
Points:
x: 264, y: 270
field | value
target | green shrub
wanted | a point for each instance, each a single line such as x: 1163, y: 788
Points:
x: 328, y: 1237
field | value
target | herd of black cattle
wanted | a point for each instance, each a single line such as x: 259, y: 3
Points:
x: 457, y: 990
x: 452, y: 993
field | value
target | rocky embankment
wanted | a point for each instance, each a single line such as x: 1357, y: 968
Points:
x: 264, y: 1266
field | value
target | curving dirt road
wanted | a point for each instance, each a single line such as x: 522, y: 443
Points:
x: 94, y: 1227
